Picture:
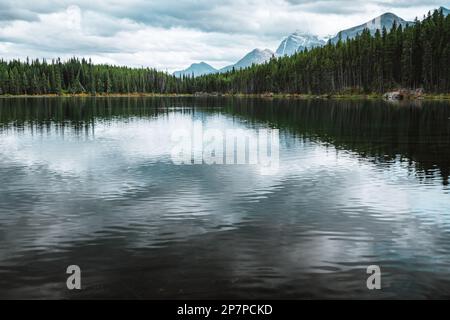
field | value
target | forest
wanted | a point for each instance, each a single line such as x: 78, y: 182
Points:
x: 417, y: 56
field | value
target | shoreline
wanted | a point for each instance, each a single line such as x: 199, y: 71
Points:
x: 374, y: 96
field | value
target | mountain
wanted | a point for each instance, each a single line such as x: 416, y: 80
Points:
x: 256, y: 56
x: 385, y: 20
x: 445, y: 11
x: 196, y: 69
x: 298, y: 42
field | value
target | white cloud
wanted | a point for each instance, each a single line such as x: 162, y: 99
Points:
x: 172, y: 34
x: 74, y: 32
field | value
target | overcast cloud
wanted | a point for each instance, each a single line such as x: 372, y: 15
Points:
x: 172, y: 34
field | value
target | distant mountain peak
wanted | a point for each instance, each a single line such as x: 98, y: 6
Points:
x: 298, y: 41
x: 389, y: 15
x: 386, y: 20
x: 196, y: 69
x: 256, y: 56
x: 263, y: 52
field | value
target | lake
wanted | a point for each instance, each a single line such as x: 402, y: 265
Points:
x: 95, y: 182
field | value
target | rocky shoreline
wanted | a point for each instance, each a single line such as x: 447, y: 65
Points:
x: 405, y: 94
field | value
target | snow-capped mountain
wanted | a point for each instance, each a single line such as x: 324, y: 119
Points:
x: 257, y: 56
x: 196, y: 69
x: 378, y: 23
x: 298, y: 42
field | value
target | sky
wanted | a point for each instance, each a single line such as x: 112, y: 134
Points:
x: 171, y: 34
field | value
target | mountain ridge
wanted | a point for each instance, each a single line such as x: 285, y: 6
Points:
x: 298, y: 41
x: 256, y: 56
x: 386, y: 20
x: 196, y: 69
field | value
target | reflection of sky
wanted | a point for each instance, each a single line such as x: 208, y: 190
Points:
x: 333, y: 207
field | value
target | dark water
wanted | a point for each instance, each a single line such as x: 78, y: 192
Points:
x: 91, y: 182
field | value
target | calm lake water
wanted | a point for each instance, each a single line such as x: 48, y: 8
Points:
x: 92, y: 182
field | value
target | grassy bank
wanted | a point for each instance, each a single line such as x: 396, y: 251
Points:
x: 372, y: 96
x: 85, y: 95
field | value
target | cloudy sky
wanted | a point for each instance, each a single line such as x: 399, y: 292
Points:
x: 172, y: 34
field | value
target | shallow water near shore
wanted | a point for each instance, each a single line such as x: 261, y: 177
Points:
x: 92, y: 182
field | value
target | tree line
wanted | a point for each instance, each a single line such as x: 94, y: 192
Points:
x: 81, y: 76
x: 411, y: 57
x: 414, y: 56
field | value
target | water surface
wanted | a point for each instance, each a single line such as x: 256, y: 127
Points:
x: 91, y: 182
